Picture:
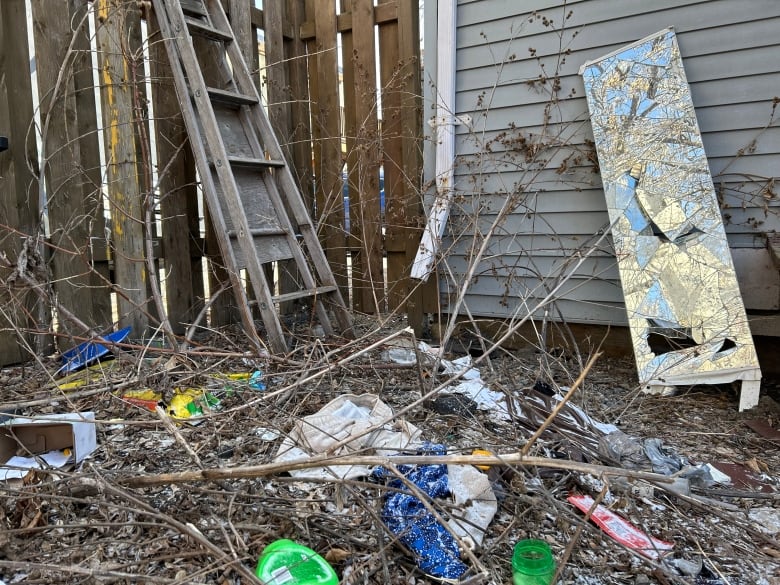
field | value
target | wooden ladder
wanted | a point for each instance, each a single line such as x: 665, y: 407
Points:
x: 254, y: 203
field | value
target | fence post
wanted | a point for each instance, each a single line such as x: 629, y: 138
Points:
x: 300, y: 121
x: 363, y: 146
x: 323, y: 59
x: 115, y: 18
x: 422, y: 298
x: 19, y: 202
x: 89, y: 148
x: 279, y: 113
x: 69, y: 212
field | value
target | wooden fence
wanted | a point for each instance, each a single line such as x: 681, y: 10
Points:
x: 106, y: 210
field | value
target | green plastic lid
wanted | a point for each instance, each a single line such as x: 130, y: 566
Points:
x: 533, y: 557
x: 284, y: 562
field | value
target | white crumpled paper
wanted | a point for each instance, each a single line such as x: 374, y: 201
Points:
x: 347, y: 416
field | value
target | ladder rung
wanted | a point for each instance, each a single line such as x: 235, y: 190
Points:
x: 301, y: 294
x: 259, y: 232
x: 224, y: 96
x: 238, y: 161
x: 193, y: 7
x: 204, y: 30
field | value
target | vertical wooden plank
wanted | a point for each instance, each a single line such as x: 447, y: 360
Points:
x: 69, y: 221
x: 423, y: 298
x: 326, y: 118
x: 19, y: 188
x: 354, y: 231
x: 396, y: 231
x: 368, y: 266
x: 300, y: 120
x: 277, y: 86
x: 178, y: 193
x: 124, y: 190
x: 241, y: 23
x: 89, y: 149
x: 279, y: 113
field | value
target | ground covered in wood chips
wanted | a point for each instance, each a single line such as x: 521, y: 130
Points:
x: 94, y: 523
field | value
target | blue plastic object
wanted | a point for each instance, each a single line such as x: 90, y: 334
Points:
x: 90, y: 351
x: 435, y: 549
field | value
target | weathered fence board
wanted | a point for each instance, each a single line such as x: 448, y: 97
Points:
x: 327, y: 144
x: 367, y: 279
x: 181, y: 242
x: 122, y: 165
x: 19, y: 187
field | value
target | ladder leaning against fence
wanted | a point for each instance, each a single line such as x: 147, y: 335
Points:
x: 254, y: 203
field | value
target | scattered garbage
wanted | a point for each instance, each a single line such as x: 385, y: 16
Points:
x: 697, y: 570
x: 532, y: 563
x: 747, y: 477
x: 621, y: 530
x: 435, y: 548
x: 435, y: 545
x: 145, y: 398
x: 94, y: 373
x: 90, y: 351
x: 767, y: 520
x: 617, y: 448
x: 471, y: 383
x: 287, y: 562
x: 27, y: 443
x: 347, y: 416
x: 192, y: 402
x: 253, y: 380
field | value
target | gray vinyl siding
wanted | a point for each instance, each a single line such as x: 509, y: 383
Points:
x: 730, y: 52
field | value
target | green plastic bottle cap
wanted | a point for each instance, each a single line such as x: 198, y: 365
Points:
x: 284, y: 562
x: 532, y: 563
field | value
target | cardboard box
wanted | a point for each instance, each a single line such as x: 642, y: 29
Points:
x: 45, y: 436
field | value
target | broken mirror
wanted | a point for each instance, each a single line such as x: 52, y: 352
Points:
x: 685, y: 312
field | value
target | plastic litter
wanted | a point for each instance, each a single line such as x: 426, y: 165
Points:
x: 662, y: 461
x: 435, y: 549
x: 621, y: 530
x: 623, y: 449
x: 696, y: 569
x: 253, y: 380
x: 347, y: 416
x: 190, y: 402
x: 766, y: 519
x: 435, y: 546
x: 90, y: 351
x: 285, y: 562
x: 532, y: 563
x: 145, y: 398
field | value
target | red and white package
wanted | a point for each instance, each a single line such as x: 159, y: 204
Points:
x: 621, y: 530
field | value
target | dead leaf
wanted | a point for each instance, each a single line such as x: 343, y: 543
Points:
x: 336, y: 555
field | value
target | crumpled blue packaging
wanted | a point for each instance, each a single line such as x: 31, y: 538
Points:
x: 435, y: 549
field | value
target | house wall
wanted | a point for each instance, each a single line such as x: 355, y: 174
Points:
x: 525, y: 163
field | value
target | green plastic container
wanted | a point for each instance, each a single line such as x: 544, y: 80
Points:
x: 532, y: 563
x: 284, y: 562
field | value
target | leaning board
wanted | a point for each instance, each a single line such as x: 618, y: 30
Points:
x: 686, y: 315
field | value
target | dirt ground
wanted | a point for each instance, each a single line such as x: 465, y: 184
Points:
x: 93, y: 524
